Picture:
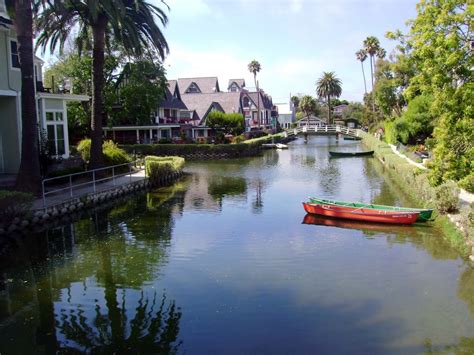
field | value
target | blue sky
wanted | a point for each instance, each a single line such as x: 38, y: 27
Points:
x: 294, y: 40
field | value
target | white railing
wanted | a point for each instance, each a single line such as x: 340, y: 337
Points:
x: 91, y: 178
x: 330, y: 129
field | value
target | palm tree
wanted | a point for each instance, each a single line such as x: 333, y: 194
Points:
x: 255, y: 67
x: 328, y: 85
x: 29, y: 175
x: 362, y: 56
x: 308, y: 105
x: 296, y: 101
x: 372, y: 46
x: 131, y: 23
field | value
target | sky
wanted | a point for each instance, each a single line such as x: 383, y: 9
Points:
x: 294, y: 40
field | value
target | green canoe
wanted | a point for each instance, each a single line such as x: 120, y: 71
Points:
x: 425, y: 213
x: 351, y: 154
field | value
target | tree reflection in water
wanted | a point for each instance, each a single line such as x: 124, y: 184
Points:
x: 89, y: 292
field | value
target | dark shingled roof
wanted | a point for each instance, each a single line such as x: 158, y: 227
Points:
x: 265, y: 100
x: 207, y: 85
x: 201, y: 103
x: 240, y: 82
x: 169, y: 101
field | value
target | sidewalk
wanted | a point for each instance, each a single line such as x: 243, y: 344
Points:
x: 80, y: 191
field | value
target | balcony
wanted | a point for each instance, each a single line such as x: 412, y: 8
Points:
x: 174, y: 120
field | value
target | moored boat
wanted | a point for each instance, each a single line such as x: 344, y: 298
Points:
x: 350, y: 138
x: 425, y: 213
x: 351, y: 154
x: 361, y: 214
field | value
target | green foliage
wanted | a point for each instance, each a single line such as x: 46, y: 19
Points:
x: 439, y: 40
x: 468, y: 183
x: 84, y: 149
x: 113, y: 155
x: 138, y: 90
x: 356, y: 111
x: 14, y: 204
x: 466, y: 221
x: 300, y: 115
x: 231, y: 123
x: 309, y: 106
x: 447, y: 197
x: 230, y: 150
x: 159, y: 167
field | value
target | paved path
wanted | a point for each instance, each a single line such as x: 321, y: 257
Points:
x: 65, y: 195
x: 418, y: 165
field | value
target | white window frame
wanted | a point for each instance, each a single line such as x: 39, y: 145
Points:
x: 10, y: 54
x: 55, y: 124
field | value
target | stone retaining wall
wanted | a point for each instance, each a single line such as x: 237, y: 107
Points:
x: 53, y: 213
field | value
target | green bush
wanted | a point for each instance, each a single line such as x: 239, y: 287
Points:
x: 157, y: 167
x: 447, y: 197
x: 468, y: 183
x: 14, y: 204
x: 231, y: 150
x: 84, y: 149
x: 113, y: 155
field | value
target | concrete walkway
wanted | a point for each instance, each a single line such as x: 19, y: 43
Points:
x: 80, y: 191
x: 418, y: 165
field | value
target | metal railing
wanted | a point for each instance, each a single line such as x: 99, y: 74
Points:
x: 95, y: 178
x: 329, y: 129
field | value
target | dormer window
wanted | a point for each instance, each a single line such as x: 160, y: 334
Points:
x: 15, y: 59
x: 234, y: 88
x: 193, y: 88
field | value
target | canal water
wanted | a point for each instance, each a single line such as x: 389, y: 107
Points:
x: 222, y: 262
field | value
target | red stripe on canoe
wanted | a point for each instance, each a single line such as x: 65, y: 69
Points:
x: 361, y: 214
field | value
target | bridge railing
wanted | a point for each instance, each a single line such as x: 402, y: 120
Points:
x: 323, y: 130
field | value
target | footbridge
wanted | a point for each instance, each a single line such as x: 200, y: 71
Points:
x: 322, y: 131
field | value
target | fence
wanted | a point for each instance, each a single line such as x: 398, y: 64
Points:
x: 101, y: 179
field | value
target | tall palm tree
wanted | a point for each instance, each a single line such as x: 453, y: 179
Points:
x: 131, y: 23
x: 29, y: 175
x: 255, y: 67
x: 328, y: 85
x: 372, y: 46
x: 361, y: 55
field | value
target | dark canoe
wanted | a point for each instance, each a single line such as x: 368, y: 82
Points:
x: 425, y: 213
x: 349, y: 138
x: 361, y: 214
x: 351, y: 154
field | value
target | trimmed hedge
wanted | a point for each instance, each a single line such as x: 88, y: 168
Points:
x: 190, y: 150
x: 413, y: 179
x: 158, y: 167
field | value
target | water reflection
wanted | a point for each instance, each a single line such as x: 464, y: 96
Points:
x: 90, y: 294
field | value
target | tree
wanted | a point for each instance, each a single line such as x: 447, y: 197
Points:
x: 371, y: 47
x: 355, y: 110
x: 138, y: 90
x: 328, y: 86
x: 255, y: 67
x: 308, y: 106
x: 296, y: 101
x: 130, y: 22
x: 76, y: 71
x: 361, y: 55
x: 230, y: 123
x: 440, y: 38
x: 29, y: 174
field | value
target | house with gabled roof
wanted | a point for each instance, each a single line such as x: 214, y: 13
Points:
x: 187, y: 103
x: 50, y: 103
x: 236, y: 85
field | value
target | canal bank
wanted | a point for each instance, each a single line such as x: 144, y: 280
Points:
x: 413, y: 180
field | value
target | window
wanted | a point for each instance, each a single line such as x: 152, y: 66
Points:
x: 56, y: 133
x: 246, y: 102
x: 14, y: 54
x: 193, y: 88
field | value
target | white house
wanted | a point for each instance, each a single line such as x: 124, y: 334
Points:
x: 52, y: 113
